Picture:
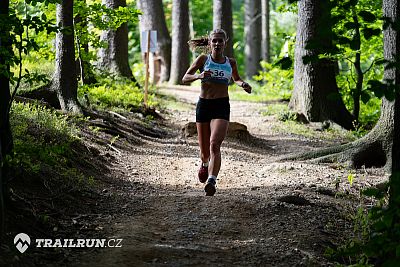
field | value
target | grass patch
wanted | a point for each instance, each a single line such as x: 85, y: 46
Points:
x: 43, y: 141
x: 117, y: 94
x: 275, y: 109
x: 295, y: 128
x: 287, y: 124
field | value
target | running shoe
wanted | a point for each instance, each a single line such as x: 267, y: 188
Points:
x: 203, y: 174
x: 210, y: 187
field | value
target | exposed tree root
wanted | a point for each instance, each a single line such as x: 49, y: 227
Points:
x: 43, y: 94
x: 368, y: 151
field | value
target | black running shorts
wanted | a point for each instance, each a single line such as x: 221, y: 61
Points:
x: 208, y: 109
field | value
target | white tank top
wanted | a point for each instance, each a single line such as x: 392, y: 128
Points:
x: 221, y: 72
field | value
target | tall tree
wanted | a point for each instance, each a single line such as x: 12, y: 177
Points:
x: 265, y: 42
x: 180, y: 36
x: 380, y: 147
x: 252, y: 32
x: 191, y: 27
x: 222, y: 19
x: 114, y: 57
x: 390, y: 128
x: 6, y: 141
x: 153, y: 18
x: 315, y: 93
x: 64, y: 81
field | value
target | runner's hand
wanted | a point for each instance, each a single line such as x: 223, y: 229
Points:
x: 204, y: 74
x: 246, y: 87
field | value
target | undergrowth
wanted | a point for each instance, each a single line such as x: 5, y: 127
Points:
x: 376, y: 231
x: 43, y: 141
x: 115, y: 93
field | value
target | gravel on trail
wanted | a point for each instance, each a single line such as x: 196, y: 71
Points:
x: 265, y: 212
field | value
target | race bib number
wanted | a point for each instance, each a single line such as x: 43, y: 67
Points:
x: 218, y: 73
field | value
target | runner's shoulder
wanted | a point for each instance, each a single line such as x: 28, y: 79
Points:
x: 200, y: 60
x: 232, y: 60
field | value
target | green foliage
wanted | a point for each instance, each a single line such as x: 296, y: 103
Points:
x: 20, y: 24
x: 110, y: 93
x: 350, y: 178
x: 282, y: 32
x: 40, y: 60
x: 41, y: 136
x: 377, y: 230
x: 275, y: 109
x: 348, y: 17
x: 33, y: 29
x: 99, y: 17
x: 276, y: 80
x: 135, y: 54
x: 287, y: 116
x: 44, y: 142
x: 357, y: 32
x: 202, y: 12
x: 370, y: 113
x: 168, y: 13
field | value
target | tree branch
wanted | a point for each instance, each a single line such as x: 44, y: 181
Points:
x: 19, y: 75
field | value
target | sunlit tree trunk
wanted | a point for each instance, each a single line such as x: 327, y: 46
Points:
x: 153, y: 18
x: 222, y: 19
x: 191, y: 28
x: 390, y: 125
x: 252, y: 32
x: 64, y: 81
x: 265, y: 30
x: 180, y: 36
x: 315, y: 93
x: 114, y: 58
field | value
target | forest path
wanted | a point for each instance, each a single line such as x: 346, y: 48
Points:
x: 265, y: 213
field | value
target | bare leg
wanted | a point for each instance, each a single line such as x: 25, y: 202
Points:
x: 219, y: 128
x: 203, y: 133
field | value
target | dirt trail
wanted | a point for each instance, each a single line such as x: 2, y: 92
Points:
x: 265, y: 213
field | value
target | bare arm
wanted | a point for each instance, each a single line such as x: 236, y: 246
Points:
x: 236, y: 78
x: 191, y: 74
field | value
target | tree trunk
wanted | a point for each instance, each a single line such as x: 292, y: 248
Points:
x: 381, y: 146
x: 390, y: 114
x: 252, y: 32
x: 222, y: 19
x: 180, y: 37
x: 64, y: 81
x: 265, y: 30
x: 114, y: 58
x: 153, y: 18
x: 6, y: 140
x: 315, y: 93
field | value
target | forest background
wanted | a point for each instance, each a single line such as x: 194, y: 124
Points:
x: 92, y: 78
